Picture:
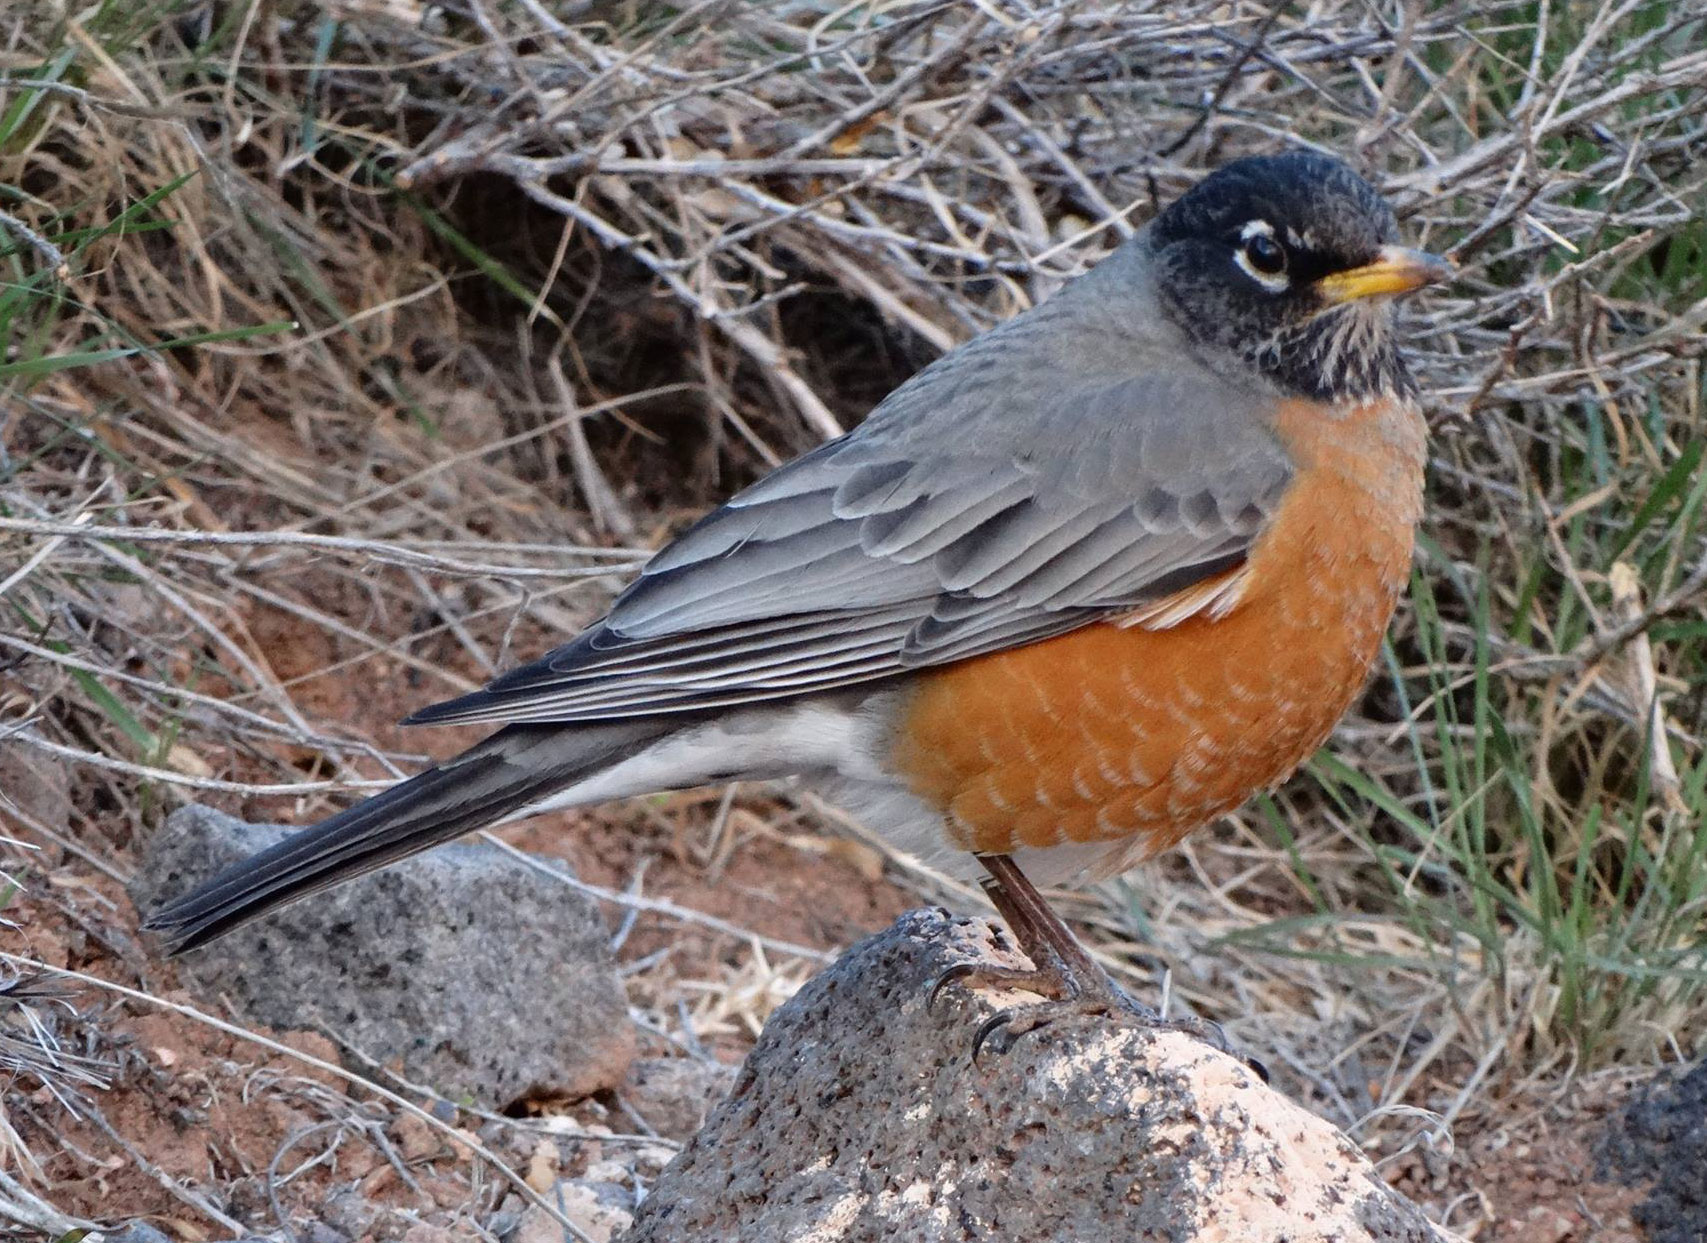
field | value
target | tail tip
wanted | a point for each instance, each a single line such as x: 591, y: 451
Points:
x: 438, y: 713
x: 178, y: 927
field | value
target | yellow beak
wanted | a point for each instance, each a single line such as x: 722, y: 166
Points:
x: 1397, y: 271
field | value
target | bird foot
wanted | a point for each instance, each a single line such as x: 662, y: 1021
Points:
x: 1062, y: 972
x: 1067, y: 995
x: 1010, y: 979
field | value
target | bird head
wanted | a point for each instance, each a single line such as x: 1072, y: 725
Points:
x: 1290, y: 264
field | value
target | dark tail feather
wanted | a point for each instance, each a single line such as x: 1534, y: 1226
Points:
x: 517, y: 766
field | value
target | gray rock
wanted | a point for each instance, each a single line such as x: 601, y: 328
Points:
x: 861, y: 1117
x: 38, y: 790
x: 316, y: 1232
x: 599, y: 1210
x: 349, y: 1213
x: 673, y: 1095
x: 1658, y: 1141
x: 142, y: 1232
x: 484, y: 977
x: 134, y: 1232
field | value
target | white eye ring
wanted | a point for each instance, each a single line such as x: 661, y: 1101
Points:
x: 1274, y: 282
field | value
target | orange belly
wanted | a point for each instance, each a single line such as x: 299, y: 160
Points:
x: 1111, y: 733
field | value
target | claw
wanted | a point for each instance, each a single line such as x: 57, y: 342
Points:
x: 1208, y: 1031
x: 988, y: 1028
x: 952, y: 975
x: 1215, y: 1036
x: 1017, y: 1021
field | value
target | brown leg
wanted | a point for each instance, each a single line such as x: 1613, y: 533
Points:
x: 1038, y: 929
x: 1025, y: 913
x: 1061, y: 969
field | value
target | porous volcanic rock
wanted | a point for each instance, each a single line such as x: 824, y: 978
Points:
x: 861, y: 1117
x: 480, y: 974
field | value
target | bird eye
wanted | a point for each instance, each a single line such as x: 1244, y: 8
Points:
x: 1265, y: 256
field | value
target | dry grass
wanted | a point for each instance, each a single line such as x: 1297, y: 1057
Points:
x: 350, y: 350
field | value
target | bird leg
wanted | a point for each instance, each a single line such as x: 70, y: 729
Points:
x: 1061, y: 970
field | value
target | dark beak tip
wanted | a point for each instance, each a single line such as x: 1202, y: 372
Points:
x: 1425, y: 263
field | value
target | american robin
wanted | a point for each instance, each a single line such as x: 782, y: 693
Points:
x: 1080, y: 586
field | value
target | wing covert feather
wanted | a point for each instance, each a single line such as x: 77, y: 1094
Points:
x: 961, y: 518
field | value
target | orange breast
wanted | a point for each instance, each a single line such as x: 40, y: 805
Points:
x: 1113, y: 733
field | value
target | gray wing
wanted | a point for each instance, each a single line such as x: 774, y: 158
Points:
x: 963, y: 517
x: 867, y: 558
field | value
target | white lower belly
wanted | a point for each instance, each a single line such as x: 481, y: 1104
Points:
x: 838, y: 748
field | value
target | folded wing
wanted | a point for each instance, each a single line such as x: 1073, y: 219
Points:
x: 961, y: 519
